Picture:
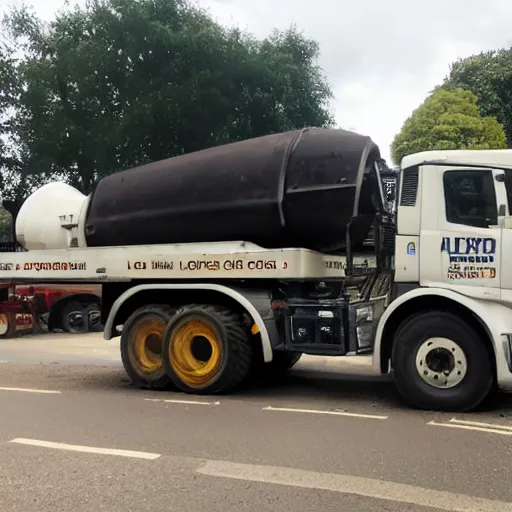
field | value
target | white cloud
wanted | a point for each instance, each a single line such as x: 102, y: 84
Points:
x: 381, y: 57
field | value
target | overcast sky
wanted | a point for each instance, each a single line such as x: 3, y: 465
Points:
x: 382, y: 57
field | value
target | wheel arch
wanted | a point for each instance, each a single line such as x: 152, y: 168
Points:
x: 55, y: 318
x: 428, y: 299
x: 127, y: 302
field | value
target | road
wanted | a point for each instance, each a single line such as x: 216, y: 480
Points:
x: 74, y: 435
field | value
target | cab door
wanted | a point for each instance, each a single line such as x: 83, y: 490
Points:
x: 506, y: 240
x: 461, y: 239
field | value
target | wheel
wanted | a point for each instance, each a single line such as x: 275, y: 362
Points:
x: 42, y: 323
x: 93, y: 312
x: 141, y: 346
x: 7, y: 325
x: 440, y: 363
x: 207, y: 349
x: 74, y: 318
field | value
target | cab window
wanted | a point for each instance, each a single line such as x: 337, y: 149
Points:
x: 470, y: 198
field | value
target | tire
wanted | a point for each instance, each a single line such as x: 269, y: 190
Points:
x: 7, y: 325
x: 74, y: 319
x: 42, y: 323
x: 429, y: 342
x: 143, y: 363
x: 93, y: 312
x: 221, y: 359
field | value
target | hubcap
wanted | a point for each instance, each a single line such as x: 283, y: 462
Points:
x: 4, y: 324
x: 441, y: 363
x: 76, y: 321
x: 146, y: 345
x: 195, y: 353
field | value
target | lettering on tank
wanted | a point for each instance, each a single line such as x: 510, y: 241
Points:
x: 137, y: 265
x: 470, y: 257
x: 162, y: 265
x: 262, y: 265
x: 228, y: 265
x: 57, y: 266
x: 199, y: 265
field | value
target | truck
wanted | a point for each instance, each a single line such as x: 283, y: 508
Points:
x: 235, y: 260
x: 42, y: 307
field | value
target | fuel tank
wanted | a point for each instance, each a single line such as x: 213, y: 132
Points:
x: 292, y: 189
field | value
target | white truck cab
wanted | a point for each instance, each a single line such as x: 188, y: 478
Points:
x: 453, y: 274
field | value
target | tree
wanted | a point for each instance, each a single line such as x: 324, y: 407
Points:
x: 120, y: 83
x: 17, y: 180
x: 5, y: 226
x: 489, y: 76
x: 448, y: 120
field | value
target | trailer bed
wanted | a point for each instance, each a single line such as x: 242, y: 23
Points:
x: 222, y: 260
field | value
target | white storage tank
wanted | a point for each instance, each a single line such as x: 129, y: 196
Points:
x: 43, y: 215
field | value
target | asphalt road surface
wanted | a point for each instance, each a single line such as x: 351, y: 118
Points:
x: 75, y: 436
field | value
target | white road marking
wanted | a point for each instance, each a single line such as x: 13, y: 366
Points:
x: 367, y: 487
x: 87, y: 449
x: 479, y: 424
x: 186, y: 402
x: 490, y: 428
x: 28, y: 390
x: 333, y: 413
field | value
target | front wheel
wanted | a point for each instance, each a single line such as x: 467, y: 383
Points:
x: 440, y: 363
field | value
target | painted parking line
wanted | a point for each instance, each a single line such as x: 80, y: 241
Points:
x: 347, y: 484
x: 185, y: 402
x: 332, y: 413
x: 29, y: 390
x: 490, y: 428
x: 86, y: 449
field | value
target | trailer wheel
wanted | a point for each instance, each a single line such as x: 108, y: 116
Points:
x: 440, y: 363
x: 93, y: 312
x: 141, y: 346
x: 7, y: 325
x: 74, y: 317
x: 207, y: 349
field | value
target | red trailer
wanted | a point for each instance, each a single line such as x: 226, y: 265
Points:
x: 50, y: 307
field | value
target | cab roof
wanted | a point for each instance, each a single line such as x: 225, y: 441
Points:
x: 499, y: 158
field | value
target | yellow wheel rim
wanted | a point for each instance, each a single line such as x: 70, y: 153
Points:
x: 4, y: 324
x: 195, y: 353
x: 146, y: 341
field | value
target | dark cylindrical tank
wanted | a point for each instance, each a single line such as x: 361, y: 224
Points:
x: 293, y: 189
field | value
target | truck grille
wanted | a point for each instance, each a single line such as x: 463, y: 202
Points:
x: 409, y: 186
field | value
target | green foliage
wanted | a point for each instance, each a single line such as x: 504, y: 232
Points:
x: 448, y: 119
x: 5, y: 226
x: 119, y: 83
x: 489, y: 76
